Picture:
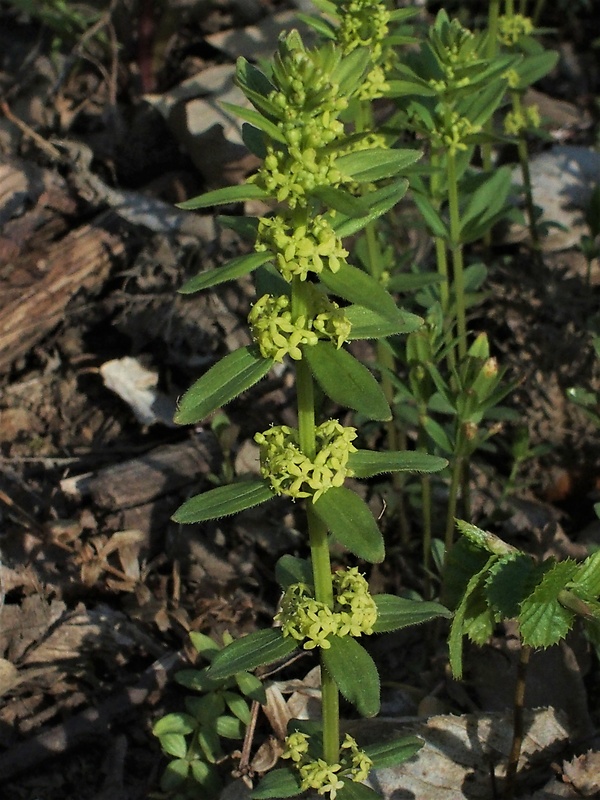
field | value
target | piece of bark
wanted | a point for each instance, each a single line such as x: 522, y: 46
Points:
x: 36, y: 289
x: 141, y: 480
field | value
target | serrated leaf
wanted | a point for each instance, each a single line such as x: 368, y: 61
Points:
x: 251, y: 686
x: 179, y: 723
x: 543, y: 620
x: 394, y: 612
x: 354, y: 673
x: 174, y: 744
x: 358, y: 287
x: 346, y: 381
x: 223, y: 501
x: 586, y: 581
x: 366, y: 166
x: 235, y: 373
x: 367, y: 463
x: 508, y: 583
x: 350, y: 521
x: 291, y: 569
x: 368, y: 324
x: 278, y: 783
x: 230, y: 727
x: 175, y: 774
x: 228, y: 194
x: 229, y: 272
x: 254, y: 650
x: 390, y: 754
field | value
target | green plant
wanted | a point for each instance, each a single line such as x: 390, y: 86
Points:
x: 327, y: 183
x: 488, y: 581
x: 192, y: 739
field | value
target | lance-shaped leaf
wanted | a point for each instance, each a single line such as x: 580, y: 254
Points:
x: 358, y: 287
x: 380, y: 201
x: 257, y: 119
x: 394, y: 612
x: 354, y: 673
x: 229, y: 272
x: 341, y: 200
x: 319, y: 25
x: 366, y: 463
x: 278, y: 783
x: 245, y: 227
x: 368, y: 324
x: 350, y: 521
x: 225, y: 380
x: 291, y: 569
x: 251, y: 651
x: 391, y: 754
x: 228, y: 194
x: 223, y: 501
x: 347, y: 381
x: 431, y: 216
x: 374, y: 164
x: 534, y: 67
x: 357, y: 791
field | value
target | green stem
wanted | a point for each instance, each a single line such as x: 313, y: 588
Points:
x: 539, y: 8
x: 457, y: 255
x: 317, y: 532
x: 527, y: 186
x: 458, y: 465
x: 427, y: 506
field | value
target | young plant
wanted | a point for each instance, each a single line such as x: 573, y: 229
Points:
x: 192, y: 739
x: 488, y: 581
x: 315, y: 173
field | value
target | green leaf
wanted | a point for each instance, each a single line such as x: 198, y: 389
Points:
x: 196, y: 680
x: 206, y: 775
x: 209, y: 741
x: 390, y: 754
x: 256, y: 119
x: 368, y: 324
x: 340, y: 200
x: 245, y: 227
x: 394, y: 612
x: 411, y: 281
x: 319, y: 25
x: 278, y: 783
x: 235, y: 373
x: 350, y: 521
x: 380, y: 201
x: 253, y: 650
x: 532, y: 68
x: 358, y: 287
x: 586, y: 581
x: 365, y: 166
x: 508, y: 583
x: 230, y: 727
x: 228, y: 194
x: 223, y: 501
x: 179, y: 723
x: 255, y: 140
x: 432, y: 218
x: 366, y: 463
x: 237, y: 705
x: 438, y: 435
x: 174, y: 744
x: 229, y: 272
x: 354, y: 673
x: 543, y: 620
x: 357, y: 791
x: 250, y: 686
x: 347, y: 381
x: 204, y: 645
x: 175, y: 774
x: 349, y: 72
x: 291, y: 569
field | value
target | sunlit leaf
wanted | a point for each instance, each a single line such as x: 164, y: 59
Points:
x: 229, y: 272
x: 278, y: 783
x: 350, y: 521
x: 228, y: 194
x: 354, y: 673
x: 366, y: 463
x: 374, y: 164
x: 395, y: 612
x: 223, y: 501
x: 251, y: 651
x: 368, y: 324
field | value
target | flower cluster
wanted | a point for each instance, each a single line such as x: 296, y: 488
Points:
x: 354, y: 765
x: 291, y: 175
x: 515, y: 122
x: 455, y: 48
x: 300, y: 249
x: 293, y: 473
x: 452, y: 130
x: 312, y: 622
x: 512, y: 28
x: 365, y: 23
x: 278, y: 334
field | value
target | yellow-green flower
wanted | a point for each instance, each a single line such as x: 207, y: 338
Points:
x: 513, y: 27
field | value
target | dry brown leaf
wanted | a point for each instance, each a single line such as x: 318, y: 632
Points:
x: 583, y: 772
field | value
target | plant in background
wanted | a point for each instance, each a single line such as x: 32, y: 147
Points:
x: 192, y: 739
x: 488, y: 581
x: 316, y: 173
